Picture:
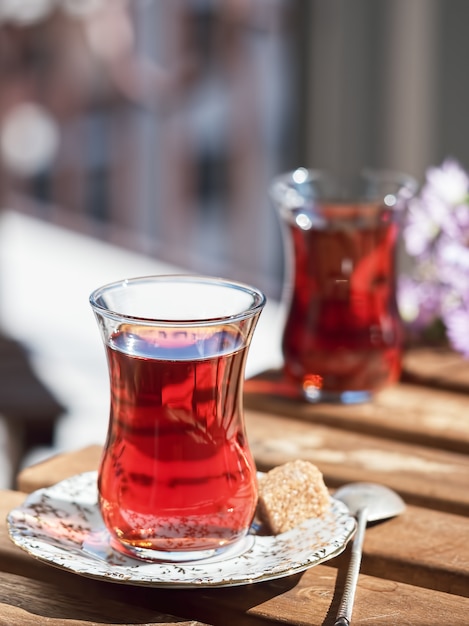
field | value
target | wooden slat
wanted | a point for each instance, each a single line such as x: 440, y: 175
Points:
x: 405, y: 412
x: 309, y: 600
x: 424, y: 476
x: 440, y: 368
x: 420, y: 547
x: 27, y: 602
x: 58, y: 467
x: 313, y: 599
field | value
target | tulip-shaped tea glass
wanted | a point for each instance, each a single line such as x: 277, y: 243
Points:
x: 177, y: 480
x: 342, y: 339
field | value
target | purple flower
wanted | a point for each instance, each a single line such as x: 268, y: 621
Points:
x: 448, y: 182
x: 419, y: 302
x: 436, y: 237
x: 420, y: 230
x: 457, y: 328
x: 452, y: 262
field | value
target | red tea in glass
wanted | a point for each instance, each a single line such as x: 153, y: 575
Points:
x: 342, y: 339
x: 177, y: 480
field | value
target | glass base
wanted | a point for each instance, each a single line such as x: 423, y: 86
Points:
x: 315, y: 395
x: 181, y: 556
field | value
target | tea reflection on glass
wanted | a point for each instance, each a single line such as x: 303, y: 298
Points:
x: 342, y: 339
x: 177, y: 480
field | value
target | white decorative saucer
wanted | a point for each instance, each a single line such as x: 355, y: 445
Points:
x: 62, y: 526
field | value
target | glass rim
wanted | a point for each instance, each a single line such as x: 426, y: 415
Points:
x: 258, y: 300
x: 292, y: 180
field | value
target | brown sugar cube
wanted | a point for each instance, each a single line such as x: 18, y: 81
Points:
x: 291, y: 493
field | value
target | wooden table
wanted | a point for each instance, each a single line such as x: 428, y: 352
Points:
x: 413, y: 437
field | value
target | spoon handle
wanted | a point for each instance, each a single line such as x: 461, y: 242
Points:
x: 344, y: 614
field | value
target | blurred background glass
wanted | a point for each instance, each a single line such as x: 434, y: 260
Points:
x: 158, y: 125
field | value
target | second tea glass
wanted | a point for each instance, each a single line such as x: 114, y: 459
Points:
x: 342, y: 339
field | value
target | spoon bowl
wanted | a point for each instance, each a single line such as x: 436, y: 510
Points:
x: 380, y: 502
x: 368, y: 502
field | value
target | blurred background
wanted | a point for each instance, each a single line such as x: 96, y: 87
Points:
x: 156, y: 126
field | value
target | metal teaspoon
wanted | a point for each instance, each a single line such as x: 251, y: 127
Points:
x: 368, y: 502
